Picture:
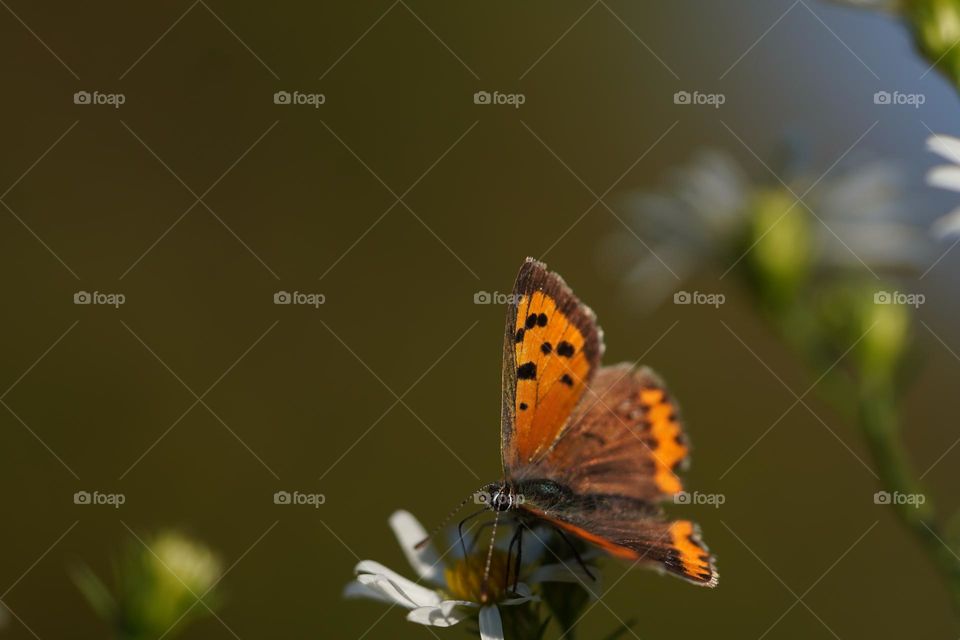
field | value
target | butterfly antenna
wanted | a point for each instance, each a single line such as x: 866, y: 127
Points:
x: 484, y: 593
x: 443, y: 523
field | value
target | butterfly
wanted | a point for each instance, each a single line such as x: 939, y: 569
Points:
x: 589, y: 450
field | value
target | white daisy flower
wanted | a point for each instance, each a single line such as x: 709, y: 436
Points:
x: 453, y: 590
x: 710, y: 211
x: 945, y: 176
x: 702, y: 211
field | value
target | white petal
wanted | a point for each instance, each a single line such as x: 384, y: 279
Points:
x: 401, y: 590
x: 945, y: 177
x: 524, y: 593
x: 446, y: 614
x: 357, y: 589
x: 409, y: 531
x: 947, y: 225
x: 491, y: 626
x: 945, y: 146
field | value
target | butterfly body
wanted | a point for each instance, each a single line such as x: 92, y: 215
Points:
x: 589, y: 450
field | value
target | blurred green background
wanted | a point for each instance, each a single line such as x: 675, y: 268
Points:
x: 302, y: 207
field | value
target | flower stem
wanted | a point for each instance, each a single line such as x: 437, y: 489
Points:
x: 880, y: 424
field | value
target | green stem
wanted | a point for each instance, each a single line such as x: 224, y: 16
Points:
x: 880, y: 424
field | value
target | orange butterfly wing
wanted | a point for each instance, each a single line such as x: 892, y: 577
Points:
x: 552, y: 346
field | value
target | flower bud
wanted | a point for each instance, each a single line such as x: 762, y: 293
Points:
x: 936, y: 25
x: 780, y: 238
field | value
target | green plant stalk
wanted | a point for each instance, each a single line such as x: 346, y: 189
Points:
x: 880, y: 424
x: 876, y: 412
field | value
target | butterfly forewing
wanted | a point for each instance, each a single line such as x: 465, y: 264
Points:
x: 552, y: 347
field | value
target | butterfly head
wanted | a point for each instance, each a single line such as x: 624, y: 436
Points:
x: 499, y: 497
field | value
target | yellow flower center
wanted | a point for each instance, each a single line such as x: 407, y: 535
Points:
x: 465, y: 577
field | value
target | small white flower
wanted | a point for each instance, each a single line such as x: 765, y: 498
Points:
x: 855, y: 215
x: 945, y: 176
x: 703, y: 209
x: 453, y: 594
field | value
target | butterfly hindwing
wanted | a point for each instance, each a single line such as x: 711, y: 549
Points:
x: 629, y: 533
x: 624, y: 438
x: 609, y: 469
x: 552, y: 346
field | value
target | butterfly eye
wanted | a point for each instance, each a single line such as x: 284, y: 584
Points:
x: 501, y: 501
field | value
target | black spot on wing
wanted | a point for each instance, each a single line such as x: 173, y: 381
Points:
x: 567, y: 380
x: 519, y: 337
x: 523, y: 406
x: 542, y: 320
x: 565, y: 349
x: 527, y: 371
x: 531, y: 321
x: 546, y: 348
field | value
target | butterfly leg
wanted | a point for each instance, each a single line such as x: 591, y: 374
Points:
x: 516, y: 573
x: 463, y: 522
x: 514, y: 540
x: 576, y: 554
